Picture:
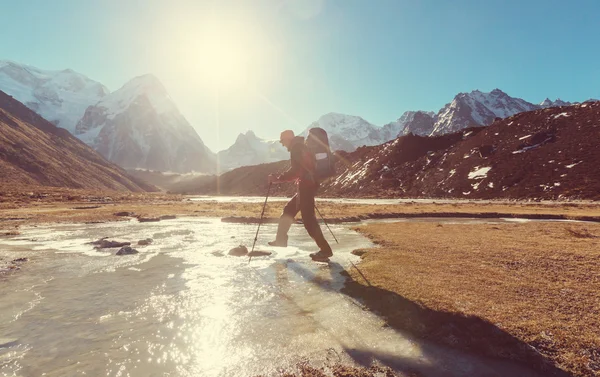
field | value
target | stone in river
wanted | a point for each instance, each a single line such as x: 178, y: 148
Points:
x: 127, y: 250
x: 239, y: 251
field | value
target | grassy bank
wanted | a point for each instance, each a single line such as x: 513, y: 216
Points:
x: 524, y: 291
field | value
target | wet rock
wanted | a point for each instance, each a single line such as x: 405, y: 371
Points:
x: 259, y: 253
x: 20, y: 260
x: 167, y: 217
x: 239, y: 251
x: 145, y: 242
x: 127, y: 250
x: 104, y: 243
x: 148, y: 219
x: 124, y: 214
x: 359, y: 252
x: 10, y: 233
x: 8, y: 342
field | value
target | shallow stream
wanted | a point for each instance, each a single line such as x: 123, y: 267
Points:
x: 183, y: 307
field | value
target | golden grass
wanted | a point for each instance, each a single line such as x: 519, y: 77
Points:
x: 536, y: 282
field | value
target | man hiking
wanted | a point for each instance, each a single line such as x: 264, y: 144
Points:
x: 302, y: 171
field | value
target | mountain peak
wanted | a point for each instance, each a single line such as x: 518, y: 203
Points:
x: 144, y: 83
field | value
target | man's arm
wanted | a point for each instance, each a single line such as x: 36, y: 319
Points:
x: 293, y: 172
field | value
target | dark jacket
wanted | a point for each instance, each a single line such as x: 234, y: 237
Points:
x: 302, y: 163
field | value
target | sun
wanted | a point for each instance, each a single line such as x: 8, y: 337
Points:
x: 223, y: 54
x: 225, y: 59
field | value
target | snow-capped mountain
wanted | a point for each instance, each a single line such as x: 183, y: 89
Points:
x: 549, y: 103
x: 60, y: 97
x: 415, y: 122
x: 347, y: 132
x: 478, y: 108
x: 249, y: 149
x: 139, y: 126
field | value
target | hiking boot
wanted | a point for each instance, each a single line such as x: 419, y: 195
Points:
x: 278, y: 243
x: 321, y: 256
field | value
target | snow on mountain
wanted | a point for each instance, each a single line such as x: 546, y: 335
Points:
x: 478, y: 108
x: 139, y: 126
x: 549, y: 103
x: 249, y: 149
x: 60, y: 97
x: 347, y: 132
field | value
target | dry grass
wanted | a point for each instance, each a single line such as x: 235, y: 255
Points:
x: 534, y: 284
x: 34, y: 204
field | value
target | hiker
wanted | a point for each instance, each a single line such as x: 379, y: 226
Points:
x: 302, y: 171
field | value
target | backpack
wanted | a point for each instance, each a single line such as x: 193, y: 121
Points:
x: 317, y: 143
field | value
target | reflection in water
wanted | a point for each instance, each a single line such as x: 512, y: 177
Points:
x: 177, y: 309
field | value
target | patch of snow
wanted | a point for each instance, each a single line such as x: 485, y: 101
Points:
x: 452, y: 172
x: 479, y: 173
x: 565, y: 114
x: 557, y: 184
x: 525, y: 137
x: 572, y: 165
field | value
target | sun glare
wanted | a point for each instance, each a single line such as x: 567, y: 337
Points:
x: 225, y: 59
x: 227, y: 55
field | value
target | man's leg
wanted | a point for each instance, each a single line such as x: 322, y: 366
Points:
x: 285, y: 222
x: 307, y: 209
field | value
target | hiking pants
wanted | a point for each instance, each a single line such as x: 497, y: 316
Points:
x: 303, y: 202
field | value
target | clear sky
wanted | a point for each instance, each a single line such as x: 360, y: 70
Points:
x: 234, y: 65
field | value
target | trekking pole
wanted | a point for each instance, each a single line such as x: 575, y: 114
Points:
x: 319, y: 212
x: 260, y: 221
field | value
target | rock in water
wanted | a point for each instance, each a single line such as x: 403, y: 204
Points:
x: 106, y: 244
x: 239, y: 251
x: 145, y: 242
x: 259, y: 253
x: 127, y: 250
x: 148, y: 219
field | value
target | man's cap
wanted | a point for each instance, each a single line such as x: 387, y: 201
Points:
x: 287, y: 134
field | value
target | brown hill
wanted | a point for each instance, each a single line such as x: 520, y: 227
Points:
x: 542, y: 154
x: 35, y: 152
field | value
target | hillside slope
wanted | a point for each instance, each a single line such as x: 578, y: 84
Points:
x: 542, y: 154
x: 35, y: 152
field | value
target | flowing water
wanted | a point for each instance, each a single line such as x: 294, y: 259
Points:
x: 183, y: 307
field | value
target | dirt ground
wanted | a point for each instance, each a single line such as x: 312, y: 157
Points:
x: 524, y: 291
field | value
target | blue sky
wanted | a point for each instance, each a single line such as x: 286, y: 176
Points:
x: 304, y: 58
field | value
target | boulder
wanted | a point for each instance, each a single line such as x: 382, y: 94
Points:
x: 259, y: 253
x: 103, y: 243
x: 145, y: 242
x: 148, y: 219
x: 239, y: 251
x: 20, y: 260
x: 127, y: 250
